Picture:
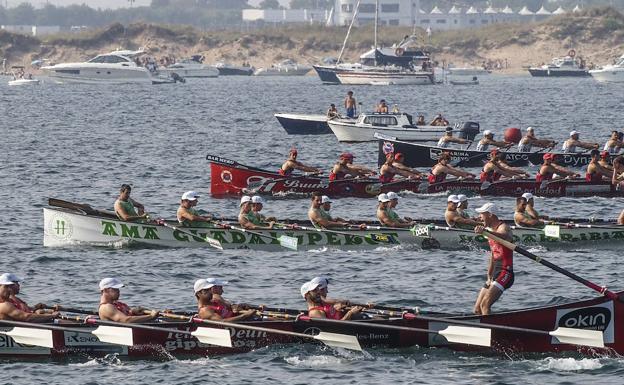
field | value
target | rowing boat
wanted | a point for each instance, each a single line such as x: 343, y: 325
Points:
x: 599, y: 313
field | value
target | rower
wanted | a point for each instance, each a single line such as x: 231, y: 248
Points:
x: 398, y: 163
x: 595, y: 172
x: 187, y: 215
x: 292, y: 164
x: 345, y: 167
x: 441, y: 169
x: 326, y: 207
x: 111, y: 309
x: 312, y: 293
x: 604, y: 161
x: 462, y: 207
x: 571, y: 144
x: 454, y: 218
x: 522, y: 217
x: 388, y: 171
x: 500, y: 274
x: 530, y: 207
x: 529, y: 140
x: 17, y: 302
x: 448, y: 138
x: 614, y: 144
x: 332, y: 112
x: 212, y: 306
x: 319, y: 217
x: 391, y: 218
x: 618, y: 170
x: 620, y: 220
x: 549, y: 168
x: 439, y: 121
x: 382, y: 107
x: 11, y: 310
x: 125, y: 206
x: 488, y: 140
x: 496, y: 167
x: 250, y: 218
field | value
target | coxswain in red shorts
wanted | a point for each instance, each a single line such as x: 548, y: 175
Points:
x: 500, y: 268
x: 212, y: 306
x: 345, y: 168
x: 111, y: 309
x: 549, y: 168
x: 292, y: 164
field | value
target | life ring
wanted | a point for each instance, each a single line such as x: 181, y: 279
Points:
x: 572, y: 53
x: 399, y: 51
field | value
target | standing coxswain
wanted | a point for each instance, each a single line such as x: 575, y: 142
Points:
x: 14, y: 309
x: 456, y: 219
x: 187, y: 214
x: 345, y: 168
x: 488, y: 140
x: 529, y: 140
x: 441, y: 169
x: 595, y: 172
x: 211, y: 306
x: 496, y: 168
x: 292, y: 164
x: 571, y: 144
x: 549, y: 168
x: 522, y: 217
x: 388, y: 171
x: 126, y: 208
x: 614, y: 144
x: 500, y: 274
x: 111, y: 309
x: 448, y: 138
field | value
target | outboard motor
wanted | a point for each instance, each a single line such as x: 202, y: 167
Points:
x: 469, y: 130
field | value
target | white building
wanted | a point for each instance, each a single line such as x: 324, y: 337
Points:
x: 280, y: 16
x: 32, y: 30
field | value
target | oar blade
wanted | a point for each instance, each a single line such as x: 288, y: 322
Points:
x: 214, y: 243
x: 288, y: 242
x: 593, y: 338
x: 114, y: 335
x: 339, y: 340
x: 212, y: 336
x: 31, y: 336
x: 468, y: 335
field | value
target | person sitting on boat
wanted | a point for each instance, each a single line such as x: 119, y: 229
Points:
x: 496, y: 168
x: 522, y: 217
x: 439, y: 172
x: 614, y: 144
x: 462, y: 207
x: 319, y: 217
x: 448, y: 138
x: 249, y: 217
x: 604, y: 161
x: 187, y: 215
x: 384, y: 213
x: 125, y: 206
x: 212, y: 307
x: 12, y: 310
x: 454, y: 218
x: 311, y: 291
x: 529, y: 140
x: 398, y: 163
x: 345, y: 168
x: 111, y: 309
x: 549, y: 168
x: 395, y: 219
x: 500, y: 276
x: 620, y: 220
x: 530, y: 207
x: 332, y: 112
x: 488, y: 140
x: 350, y: 105
x: 595, y: 172
x: 618, y: 170
x: 421, y: 121
x: 382, y: 107
x: 326, y: 207
x: 439, y: 121
x: 570, y: 145
x: 388, y: 171
x: 292, y: 164
x: 39, y: 308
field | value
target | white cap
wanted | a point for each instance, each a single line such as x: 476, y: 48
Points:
x: 244, y: 200
x: 383, y: 198
x: 325, y: 199
x: 488, y: 208
x: 190, y: 196
x: 487, y: 132
x: 527, y: 196
x: 257, y: 199
x: 462, y: 198
x: 207, y: 283
x: 108, y: 283
x: 321, y: 282
x: 529, y: 128
x: 308, y: 287
x: 9, y: 279
x: 392, y: 195
x: 572, y: 133
x: 453, y: 198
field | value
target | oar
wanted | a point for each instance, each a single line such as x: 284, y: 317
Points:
x: 211, y: 241
x: 329, y: 339
x: 285, y: 241
x: 380, y: 238
x: 601, y: 289
x: 456, y: 334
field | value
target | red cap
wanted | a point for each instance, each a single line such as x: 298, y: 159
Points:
x: 604, y: 154
x: 494, y: 152
x: 549, y: 156
x: 397, y: 156
x: 346, y: 155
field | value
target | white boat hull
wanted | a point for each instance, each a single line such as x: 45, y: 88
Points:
x: 384, y: 78
x: 93, y: 73
x: 353, y: 132
x: 299, y: 71
x: 615, y: 74
x: 206, y: 72
x: 468, y: 72
x: 24, y: 82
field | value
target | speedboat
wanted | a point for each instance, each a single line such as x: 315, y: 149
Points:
x: 389, y: 75
x: 559, y: 67
x: 610, y: 72
x: 284, y: 68
x: 467, y: 71
x: 192, y: 68
x: 20, y: 78
x: 24, y: 82
x: 226, y: 69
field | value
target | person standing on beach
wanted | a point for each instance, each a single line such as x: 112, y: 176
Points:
x: 350, y: 105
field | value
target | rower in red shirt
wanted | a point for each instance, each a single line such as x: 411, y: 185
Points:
x: 313, y: 291
x: 212, y: 306
x: 111, y: 309
x: 496, y: 168
x: 345, y: 168
x: 595, y: 171
x: 292, y: 164
x: 12, y: 310
x: 388, y: 171
x: 439, y: 172
x: 500, y: 274
x: 549, y: 168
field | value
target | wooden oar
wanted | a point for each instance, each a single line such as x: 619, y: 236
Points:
x: 601, y: 289
x: 85, y: 208
x: 211, y: 241
x: 380, y: 238
x: 456, y: 334
x: 329, y: 339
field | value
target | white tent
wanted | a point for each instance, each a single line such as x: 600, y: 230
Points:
x: 507, y: 10
x: 525, y: 12
x: 542, y: 11
x: 490, y: 10
x: 559, y: 11
x: 472, y: 10
x: 454, y: 11
x: 435, y: 11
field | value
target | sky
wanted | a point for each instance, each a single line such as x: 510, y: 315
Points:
x: 97, y: 3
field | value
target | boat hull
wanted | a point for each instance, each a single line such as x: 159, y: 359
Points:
x: 96, y: 73
x: 327, y: 74
x: 235, y: 71
x: 540, y: 72
x: 300, y: 124
x: 608, y: 75
x: 385, y: 78
x: 299, y: 71
x: 207, y: 72
x: 23, y: 82
x: 349, y: 131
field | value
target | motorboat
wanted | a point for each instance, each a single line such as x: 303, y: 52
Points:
x: 561, y: 67
x: 20, y: 78
x: 226, y: 69
x: 610, y: 72
x: 388, y: 75
x: 284, y: 68
x: 465, y: 82
x: 467, y: 71
x: 24, y: 82
x: 192, y: 67
x: 304, y: 124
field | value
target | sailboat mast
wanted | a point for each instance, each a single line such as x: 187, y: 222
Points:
x: 376, y: 22
x: 344, y: 44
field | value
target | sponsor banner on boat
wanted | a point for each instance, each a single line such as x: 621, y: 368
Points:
x: 9, y: 346
x: 90, y: 343
x: 599, y: 317
x: 572, y: 236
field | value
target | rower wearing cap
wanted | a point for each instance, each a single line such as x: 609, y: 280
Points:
x: 388, y: 171
x: 187, y: 214
x: 488, y: 140
x: 530, y: 207
x: 500, y: 274
x: 250, y: 217
x: 111, y: 309
x: 595, y: 172
x: 573, y: 142
x: 529, y: 140
x: 17, y: 302
x: 212, y: 306
x: 319, y: 217
x: 549, y: 168
x: 391, y: 218
x: 462, y: 207
x: 292, y: 164
x: 382, y: 107
x: 454, y: 218
x: 604, y: 161
x: 496, y: 167
x: 448, y: 138
x: 614, y: 144
x: 312, y: 292
x: 326, y: 207
x: 16, y: 310
x: 522, y: 217
x: 125, y: 206
x: 439, y: 172
x: 399, y: 158
x: 345, y: 167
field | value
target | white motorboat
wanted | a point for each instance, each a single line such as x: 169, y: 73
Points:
x: 467, y: 71
x: 226, y: 69
x: 284, y: 68
x: 385, y: 76
x: 20, y: 78
x: 610, y: 72
x: 561, y: 67
x: 24, y: 82
x: 193, y: 67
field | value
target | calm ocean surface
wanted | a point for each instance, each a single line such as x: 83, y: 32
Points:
x: 80, y: 142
